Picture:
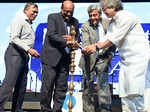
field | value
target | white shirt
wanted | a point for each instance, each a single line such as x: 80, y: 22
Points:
x: 101, y: 33
x: 21, y: 32
x: 127, y: 33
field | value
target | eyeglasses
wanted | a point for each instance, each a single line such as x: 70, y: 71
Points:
x: 104, y: 9
x: 68, y: 11
x: 93, y: 15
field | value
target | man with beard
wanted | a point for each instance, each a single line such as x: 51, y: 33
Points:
x: 55, y: 57
x: 93, y: 31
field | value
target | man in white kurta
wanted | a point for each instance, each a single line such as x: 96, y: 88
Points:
x: 126, y: 32
x: 147, y: 90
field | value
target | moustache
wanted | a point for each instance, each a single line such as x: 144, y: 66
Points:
x: 68, y: 15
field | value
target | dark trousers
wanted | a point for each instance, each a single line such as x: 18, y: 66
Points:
x: 54, y: 86
x: 15, y: 80
x: 96, y: 99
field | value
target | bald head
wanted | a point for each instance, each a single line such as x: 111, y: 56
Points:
x: 67, y: 9
x: 67, y: 3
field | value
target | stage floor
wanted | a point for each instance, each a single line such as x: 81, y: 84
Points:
x: 32, y: 104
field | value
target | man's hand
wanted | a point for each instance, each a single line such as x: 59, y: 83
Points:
x: 67, y: 37
x: 33, y: 53
x: 69, y: 43
x: 73, y: 44
x: 89, y: 49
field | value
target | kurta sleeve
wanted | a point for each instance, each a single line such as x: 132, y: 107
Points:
x: 123, y: 24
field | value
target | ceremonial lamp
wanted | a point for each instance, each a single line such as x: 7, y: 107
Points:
x: 73, y: 46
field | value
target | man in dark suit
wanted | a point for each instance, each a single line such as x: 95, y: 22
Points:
x: 55, y: 58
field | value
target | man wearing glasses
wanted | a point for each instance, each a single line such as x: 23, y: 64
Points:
x: 55, y: 57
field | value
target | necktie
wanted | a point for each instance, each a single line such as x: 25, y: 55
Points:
x: 29, y: 21
x: 67, y: 33
x: 67, y: 28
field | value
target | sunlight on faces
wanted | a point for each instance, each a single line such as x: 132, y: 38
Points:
x: 67, y: 10
x: 31, y: 12
x: 94, y: 17
x: 109, y: 12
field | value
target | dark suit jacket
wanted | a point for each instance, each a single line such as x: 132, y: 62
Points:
x: 54, y: 44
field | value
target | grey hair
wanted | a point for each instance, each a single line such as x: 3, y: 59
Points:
x: 29, y: 4
x: 117, y: 4
x: 94, y: 7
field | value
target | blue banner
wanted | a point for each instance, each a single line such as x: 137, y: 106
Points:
x: 113, y: 70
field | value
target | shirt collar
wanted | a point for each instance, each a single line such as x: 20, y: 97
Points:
x: 29, y: 21
x: 26, y: 18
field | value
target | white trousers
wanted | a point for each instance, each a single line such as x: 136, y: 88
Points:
x: 133, y: 103
x: 147, y: 90
x: 147, y: 99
